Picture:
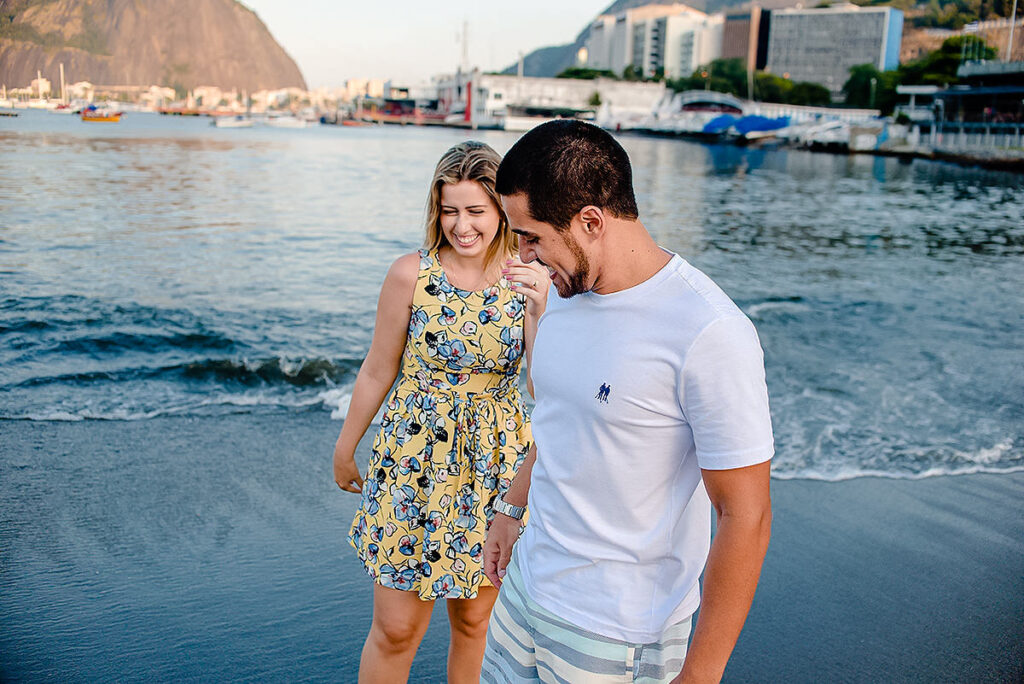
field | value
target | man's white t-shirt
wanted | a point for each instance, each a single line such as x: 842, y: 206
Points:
x: 637, y: 391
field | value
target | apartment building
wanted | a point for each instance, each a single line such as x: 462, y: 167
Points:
x: 821, y: 45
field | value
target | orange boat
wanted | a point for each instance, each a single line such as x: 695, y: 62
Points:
x: 100, y: 116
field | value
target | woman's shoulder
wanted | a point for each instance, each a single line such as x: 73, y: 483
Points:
x: 402, y: 276
x: 405, y: 269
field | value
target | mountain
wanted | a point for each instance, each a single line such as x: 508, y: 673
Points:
x: 551, y: 61
x: 183, y: 44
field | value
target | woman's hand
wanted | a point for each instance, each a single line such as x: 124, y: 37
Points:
x: 346, y: 472
x: 532, y: 281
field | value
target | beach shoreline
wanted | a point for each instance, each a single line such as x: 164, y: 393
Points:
x: 241, y: 570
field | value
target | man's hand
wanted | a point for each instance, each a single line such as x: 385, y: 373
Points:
x: 498, y: 548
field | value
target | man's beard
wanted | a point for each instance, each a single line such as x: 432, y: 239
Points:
x: 577, y: 283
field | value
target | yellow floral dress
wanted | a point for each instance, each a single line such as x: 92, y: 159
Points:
x: 453, y: 434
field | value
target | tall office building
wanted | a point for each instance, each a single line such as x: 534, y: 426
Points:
x: 745, y: 36
x: 669, y: 39
x: 821, y: 45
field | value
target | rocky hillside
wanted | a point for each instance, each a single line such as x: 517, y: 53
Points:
x: 183, y: 44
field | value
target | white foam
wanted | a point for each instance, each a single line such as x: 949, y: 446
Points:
x: 337, y: 399
x: 756, y: 310
x: 991, y: 455
x: 852, y: 474
x: 55, y: 415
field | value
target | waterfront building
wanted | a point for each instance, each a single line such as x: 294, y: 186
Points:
x: 363, y: 88
x: 157, y: 96
x: 820, y: 45
x: 83, y: 90
x: 40, y: 87
x: 920, y: 107
x: 212, y: 96
x: 745, y: 36
x: 690, y: 42
x: 484, y: 100
x: 989, y: 93
x: 672, y: 40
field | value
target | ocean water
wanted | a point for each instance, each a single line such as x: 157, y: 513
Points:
x: 162, y: 267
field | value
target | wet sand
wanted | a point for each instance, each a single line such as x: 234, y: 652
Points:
x: 213, y: 549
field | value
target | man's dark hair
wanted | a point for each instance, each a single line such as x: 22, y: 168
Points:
x: 564, y: 165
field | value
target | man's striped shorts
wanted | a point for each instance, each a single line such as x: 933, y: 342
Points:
x: 526, y: 643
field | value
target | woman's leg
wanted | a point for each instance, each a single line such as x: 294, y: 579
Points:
x: 400, y: 618
x: 468, y: 619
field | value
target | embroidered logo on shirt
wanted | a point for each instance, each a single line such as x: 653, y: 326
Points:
x: 602, y: 394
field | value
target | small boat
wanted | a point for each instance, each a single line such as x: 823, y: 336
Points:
x: 233, y: 122
x: 286, y: 122
x: 91, y: 113
x: 754, y: 127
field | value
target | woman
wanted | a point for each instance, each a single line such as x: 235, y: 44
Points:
x: 453, y: 319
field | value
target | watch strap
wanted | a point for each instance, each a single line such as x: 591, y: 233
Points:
x: 516, y: 512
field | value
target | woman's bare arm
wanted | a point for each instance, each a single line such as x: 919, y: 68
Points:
x: 380, y: 368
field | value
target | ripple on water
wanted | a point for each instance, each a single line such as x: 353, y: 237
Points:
x: 165, y: 268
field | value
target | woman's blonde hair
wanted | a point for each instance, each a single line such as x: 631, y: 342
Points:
x: 475, y: 161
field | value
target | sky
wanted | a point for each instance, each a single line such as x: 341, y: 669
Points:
x: 408, y: 41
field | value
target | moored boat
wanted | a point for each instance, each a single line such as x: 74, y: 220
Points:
x: 239, y: 121
x: 91, y: 113
x: 286, y: 122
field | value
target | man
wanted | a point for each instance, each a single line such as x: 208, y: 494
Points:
x: 651, y: 409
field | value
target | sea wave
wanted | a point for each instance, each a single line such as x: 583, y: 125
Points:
x: 907, y: 463
x: 315, y: 372
x: 853, y: 473
x: 333, y: 399
x: 777, y: 306
x: 1003, y: 457
x: 274, y: 370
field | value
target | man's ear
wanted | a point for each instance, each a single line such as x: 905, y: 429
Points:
x: 592, y: 221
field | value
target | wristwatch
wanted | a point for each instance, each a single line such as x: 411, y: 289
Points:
x: 508, y: 509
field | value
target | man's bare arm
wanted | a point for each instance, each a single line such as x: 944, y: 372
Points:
x: 504, y: 531
x: 742, y: 502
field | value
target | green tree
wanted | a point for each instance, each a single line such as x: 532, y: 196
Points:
x: 721, y: 75
x: 585, y: 73
x: 595, y: 99
x: 771, y: 88
x: 940, y: 66
x: 631, y: 73
x: 810, y: 94
x: 859, y: 91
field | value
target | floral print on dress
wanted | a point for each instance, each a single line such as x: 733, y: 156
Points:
x: 452, y: 436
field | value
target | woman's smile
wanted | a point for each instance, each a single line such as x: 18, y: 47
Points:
x: 467, y: 240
